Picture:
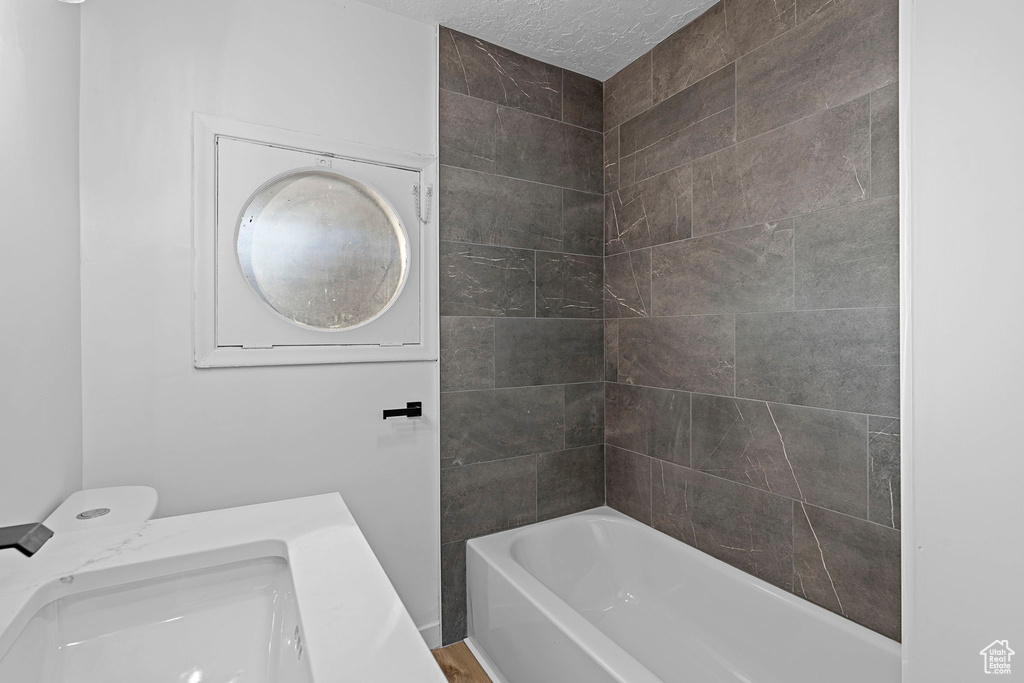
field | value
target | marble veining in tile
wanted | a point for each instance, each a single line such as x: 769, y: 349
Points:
x: 884, y: 470
x: 486, y: 281
x: 838, y: 55
x: 467, y: 353
x: 569, y: 286
x: 816, y: 163
x: 627, y: 284
x: 748, y: 528
x: 654, y: 211
x: 628, y: 483
x: 486, y: 71
x: 478, y: 426
x: 725, y: 32
x: 849, y: 566
x: 655, y: 422
x: 817, y: 456
x: 690, y: 353
x: 749, y: 269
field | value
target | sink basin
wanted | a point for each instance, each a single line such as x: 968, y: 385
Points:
x: 284, y: 592
x: 234, y: 623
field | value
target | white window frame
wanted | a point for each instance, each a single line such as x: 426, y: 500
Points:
x: 206, y: 352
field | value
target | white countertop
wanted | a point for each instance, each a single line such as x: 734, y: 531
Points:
x: 356, y: 628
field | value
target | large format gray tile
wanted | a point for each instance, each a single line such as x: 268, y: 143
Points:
x: 611, y: 160
x: 543, y: 150
x: 849, y: 566
x: 628, y: 92
x: 570, y: 481
x: 488, y: 209
x: 611, y: 350
x: 707, y: 96
x: 628, y: 483
x: 748, y: 528
x: 693, y: 353
x: 817, y: 456
x: 655, y: 422
x: 842, y: 359
x: 467, y: 353
x: 716, y: 132
x: 487, y: 497
x: 805, y: 9
x: 884, y: 471
x: 453, y: 592
x: 722, y: 34
x: 584, y: 414
x: 475, y: 67
x: 486, y: 281
x: 582, y: 223
x: 885, y: 141
x: 530, y: 351
x: 569, y: 286
x: 749, y: 269
x: 451, y: 75
x: 654, y: 211
x: 582, y: 101
x: 468, y: 132
x: 477, y: 426
x: 835, y: 57
x: 817, y: 163
x: 849, y: 257
x: 627, y: 284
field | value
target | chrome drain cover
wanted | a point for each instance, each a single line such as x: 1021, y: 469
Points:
x: 93, y: 514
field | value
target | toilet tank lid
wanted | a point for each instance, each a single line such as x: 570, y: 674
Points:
x: 109, y: 506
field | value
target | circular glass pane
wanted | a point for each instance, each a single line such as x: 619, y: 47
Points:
x: 323, y: 250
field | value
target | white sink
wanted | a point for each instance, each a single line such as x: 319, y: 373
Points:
x: 285, y: 592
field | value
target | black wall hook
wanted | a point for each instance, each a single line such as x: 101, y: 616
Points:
x: 411, y: 409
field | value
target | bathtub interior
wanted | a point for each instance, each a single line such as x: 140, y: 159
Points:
x: 678, y: 610
x: 232, y: 623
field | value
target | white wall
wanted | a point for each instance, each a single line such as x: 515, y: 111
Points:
x: 215, y: 438
x: 964, y: 520
x: 40, y: 350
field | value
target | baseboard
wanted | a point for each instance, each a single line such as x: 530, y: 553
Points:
x: 493, y: 672
x: 431, y: 634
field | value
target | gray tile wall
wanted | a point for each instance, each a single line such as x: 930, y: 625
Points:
x: 751, y: 292
x: 522, y: 298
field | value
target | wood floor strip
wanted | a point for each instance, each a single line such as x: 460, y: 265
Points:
x: 459, y: 665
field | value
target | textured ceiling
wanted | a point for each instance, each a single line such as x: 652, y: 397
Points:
x: 592, y: 37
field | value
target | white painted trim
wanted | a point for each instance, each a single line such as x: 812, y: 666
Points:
x: 431, y: 634
x: 435, y: 298
x: 909, y: 549
x: 206, y: 352
x: 485, y: 662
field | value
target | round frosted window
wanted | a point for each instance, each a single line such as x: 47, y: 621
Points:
x: 322, y: 250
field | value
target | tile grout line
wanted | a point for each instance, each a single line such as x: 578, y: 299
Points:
x: 735, y: 359
x: 729, y: 313
x: 871, y: 184
x: 744, y: 141
x: 746, y: 398
x: 522, y: 111
x: 867, y: 469
x: 536, y: 286
x: 753, y: 488
x: 690, y: 460
x: 521, y: 180
x: 791, y: 217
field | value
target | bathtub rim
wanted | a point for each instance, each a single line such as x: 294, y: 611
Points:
x: 496, y: 550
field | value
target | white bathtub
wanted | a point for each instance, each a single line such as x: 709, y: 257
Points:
x: 598, y: 597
